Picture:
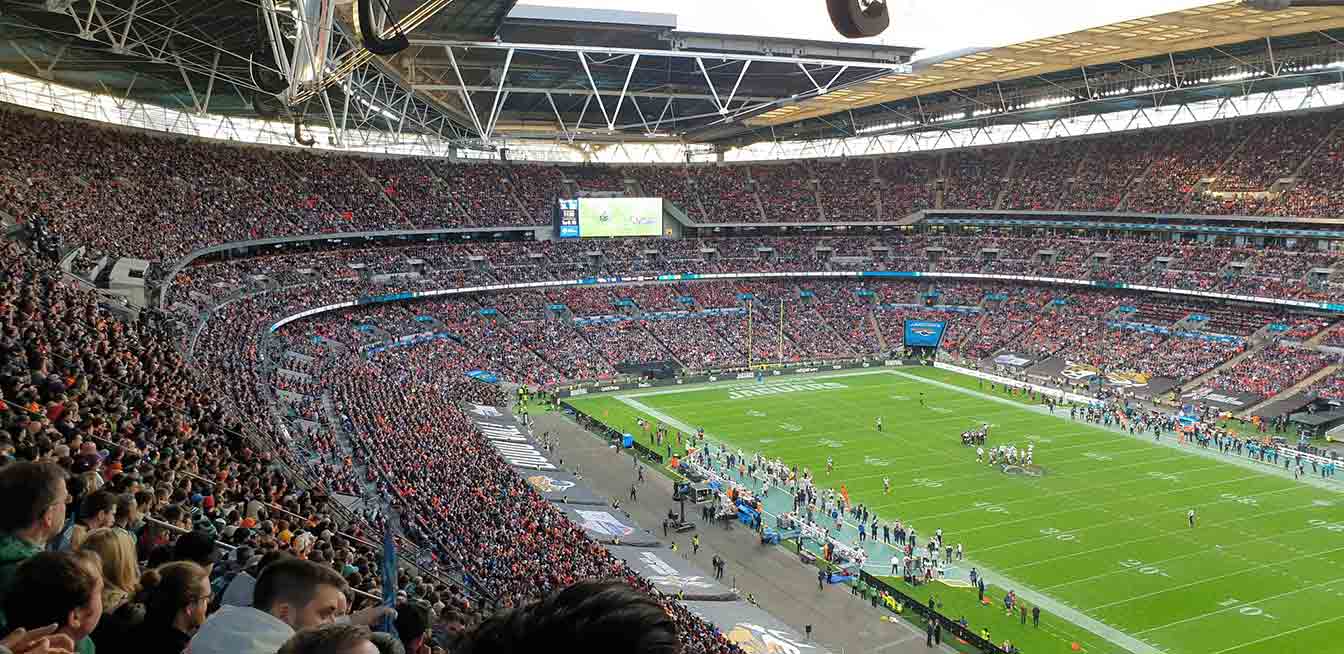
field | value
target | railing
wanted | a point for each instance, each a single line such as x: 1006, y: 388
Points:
x: 962, y: 632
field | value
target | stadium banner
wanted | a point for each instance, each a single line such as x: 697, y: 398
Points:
x: 498, y: 427
x: 560, y: 487
x: 528, y: 459
x: 752, y: 629
x: 924, y: 333
x: 1223, y: 399
x: 609, y: 526
x: 483, y: 376
x: 1139, y: 383
x: 671, y: 574
x: 1013, y: 360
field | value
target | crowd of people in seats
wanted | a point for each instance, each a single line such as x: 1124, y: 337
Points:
x: 725, y: 195
x: 848, y: 189
x: 905, y: 185
x: 1271, y: 370
x: 786, y: 193
x: 974, y: 178
x: 1182, y: 358
x: 452, y: 489
x: 134, y: 504
x: 1051, y: 167
x: 237, y: 192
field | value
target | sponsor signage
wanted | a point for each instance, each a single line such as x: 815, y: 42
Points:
x: 779, y: 388
x: 752, y: 629
x: 672, y: 574
x: 1220, y: 398
x: 499, y: 428
x: 1012, y: 359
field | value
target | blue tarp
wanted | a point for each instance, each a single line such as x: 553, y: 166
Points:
x: 483, y: 376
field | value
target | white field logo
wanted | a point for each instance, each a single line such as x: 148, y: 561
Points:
x: 776, y: 389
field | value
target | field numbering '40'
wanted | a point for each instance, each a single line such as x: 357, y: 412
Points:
x: 1059, y: 535
x: 1245, y: 609
x: 1135, y: 564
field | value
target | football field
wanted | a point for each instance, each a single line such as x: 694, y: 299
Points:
x: 1102, y: 530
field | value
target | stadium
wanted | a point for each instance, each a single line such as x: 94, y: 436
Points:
x: 472, y: 326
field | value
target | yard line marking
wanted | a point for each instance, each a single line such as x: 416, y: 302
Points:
x: 1224, y: 576
x: 1280, y: 634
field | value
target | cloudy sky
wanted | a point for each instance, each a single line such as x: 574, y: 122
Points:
x: 936, y: 26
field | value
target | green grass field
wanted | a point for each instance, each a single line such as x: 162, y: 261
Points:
x: 1102, y: 532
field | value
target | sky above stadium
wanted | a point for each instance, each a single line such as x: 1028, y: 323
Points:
x: 935, y: 26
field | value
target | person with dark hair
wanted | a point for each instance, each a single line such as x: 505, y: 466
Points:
x: 176, y: 597
x: 197, y: 547
x: 32, y: 513
x: 331, y: 639
x: 413, y: 627
x: 61, y: 588
x: 96, y: 511
x: 291, y: 595
x: 387, y: 643
x: 593, y: 617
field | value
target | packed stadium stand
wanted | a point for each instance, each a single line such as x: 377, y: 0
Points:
x: 292, y: 389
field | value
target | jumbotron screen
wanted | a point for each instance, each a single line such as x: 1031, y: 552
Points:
x: 609, y: 217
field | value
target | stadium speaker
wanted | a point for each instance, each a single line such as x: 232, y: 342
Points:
x: 298, y: 135
x: 856, y: 19
x: 368, y: 31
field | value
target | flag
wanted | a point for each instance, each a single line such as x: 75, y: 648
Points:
x: 389, y: 578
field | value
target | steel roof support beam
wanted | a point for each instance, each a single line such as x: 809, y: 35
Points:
x: 673, y: 54
x: 723, y: 109
x: 583, y: 59
x: 466, y: 97
x: 210, y: 86
x: 611, y: 124
x: 499, y: 92
x: 660, y: 95
x: 126, y: 29
x: 569, y: 136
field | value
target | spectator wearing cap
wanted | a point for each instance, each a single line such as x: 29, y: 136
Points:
x: 241, y: 587
x: 59, y: 588
x: 31, y: 514
x: 176, y: 597
x: 97, y: 510
x: 291, y: 595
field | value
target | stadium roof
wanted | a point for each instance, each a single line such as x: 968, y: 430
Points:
x: 482, y: 72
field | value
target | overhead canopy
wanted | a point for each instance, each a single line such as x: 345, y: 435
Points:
x: 1198, y: 28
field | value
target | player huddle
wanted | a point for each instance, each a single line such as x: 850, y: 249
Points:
x: 1006, y: 455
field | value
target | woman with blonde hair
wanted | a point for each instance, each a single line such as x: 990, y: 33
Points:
x: 121, y: 579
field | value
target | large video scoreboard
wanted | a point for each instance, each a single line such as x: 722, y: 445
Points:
x: 608, y: 217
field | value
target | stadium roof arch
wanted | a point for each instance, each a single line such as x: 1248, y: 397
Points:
x: 483, y: 76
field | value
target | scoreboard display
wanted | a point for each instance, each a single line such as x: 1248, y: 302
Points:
x: 924, y: 333
x: 608, y: 217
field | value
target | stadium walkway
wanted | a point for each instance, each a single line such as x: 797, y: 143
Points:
x: 781, y: 584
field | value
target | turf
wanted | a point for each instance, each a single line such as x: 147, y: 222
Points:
x: 1102, y: 531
